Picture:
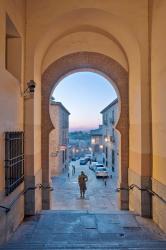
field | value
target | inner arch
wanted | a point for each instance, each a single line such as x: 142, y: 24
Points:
x: 79, y: 91
x: 113, y: 70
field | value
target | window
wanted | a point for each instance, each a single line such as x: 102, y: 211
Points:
x: 106, y: 152
x: 113, y: 117
x: 13, y: 49
x: 113, y: 157
x: 63, y: 156
x: 14, y: 160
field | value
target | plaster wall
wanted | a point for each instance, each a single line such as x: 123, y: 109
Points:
x: 58, y: 137
x: 84, y: 41
x: 158, y: 78
x: 11, y: 109
x: 54, y: 141
x: 109, y: 123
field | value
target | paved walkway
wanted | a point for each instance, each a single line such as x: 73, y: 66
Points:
x: 99, y: 197
x: 91, y: 223
x: 86, y: 230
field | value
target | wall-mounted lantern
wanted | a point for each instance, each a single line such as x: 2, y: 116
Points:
x: 30, y: 88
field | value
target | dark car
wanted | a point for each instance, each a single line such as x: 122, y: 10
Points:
x: 83, y: 161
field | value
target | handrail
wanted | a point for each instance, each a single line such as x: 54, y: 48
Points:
x: 6, y: 208
x: 132, y: 186
x: 40, y: 186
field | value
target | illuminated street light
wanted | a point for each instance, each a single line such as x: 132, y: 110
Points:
x: 106, y: 139
x: 101, y: 146
x: 93, y: 141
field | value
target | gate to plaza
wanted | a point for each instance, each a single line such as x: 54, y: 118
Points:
x: 113, y: 71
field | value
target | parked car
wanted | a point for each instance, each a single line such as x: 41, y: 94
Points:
x: 83, y: 161
x: 77, y: 158
x: 92, y: 166
x: 88, y: 156
x: 99, y: 165
x: 87, y: 159
x: 101, y: 172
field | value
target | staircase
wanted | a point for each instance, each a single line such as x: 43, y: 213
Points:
x: 83, y: 230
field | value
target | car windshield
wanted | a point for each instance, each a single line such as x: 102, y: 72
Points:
x: 101, y: 169
x: 99, y: 166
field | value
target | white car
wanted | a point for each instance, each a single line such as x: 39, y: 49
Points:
x: 101, y: 172
x: 99, y: 165
x: 92, y: 166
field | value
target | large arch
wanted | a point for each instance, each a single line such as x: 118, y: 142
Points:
x: 111, y: 69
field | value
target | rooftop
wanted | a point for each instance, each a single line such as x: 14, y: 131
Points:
x: 110, y: 105
x: 53, y: 102
x: 97, y: 132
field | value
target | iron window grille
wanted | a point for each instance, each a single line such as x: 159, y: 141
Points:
x: 14, y: 160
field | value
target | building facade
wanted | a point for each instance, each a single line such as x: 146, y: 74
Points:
x: 59, y: 138
x: 110, y: 136
x: 97, y: 144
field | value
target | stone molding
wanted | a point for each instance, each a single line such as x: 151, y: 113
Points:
x: 159, y: 208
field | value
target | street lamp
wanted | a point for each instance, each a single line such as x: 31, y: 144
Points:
x: 106, y: 139
x: 93, y: 141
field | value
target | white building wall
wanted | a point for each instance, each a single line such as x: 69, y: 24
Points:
x: 111, y: 137
x: 58, y: 137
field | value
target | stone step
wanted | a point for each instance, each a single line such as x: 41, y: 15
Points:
x: 123, y: 245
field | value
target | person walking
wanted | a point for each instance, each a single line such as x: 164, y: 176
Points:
x: 73, y: 170
x: 82, y: 179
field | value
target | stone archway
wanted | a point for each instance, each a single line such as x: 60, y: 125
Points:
x: 113, y: 70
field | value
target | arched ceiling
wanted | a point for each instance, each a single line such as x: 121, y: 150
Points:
x: 95, y: 21
x: 84, y: 41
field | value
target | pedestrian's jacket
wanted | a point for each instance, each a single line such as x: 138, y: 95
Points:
x: 82, y: 179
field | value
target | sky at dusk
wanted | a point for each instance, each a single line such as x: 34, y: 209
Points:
x: 84, y: 94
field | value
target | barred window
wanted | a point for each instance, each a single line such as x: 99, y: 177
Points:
x: 14, y: 160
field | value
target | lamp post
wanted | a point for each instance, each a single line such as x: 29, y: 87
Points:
x: 92, y: 141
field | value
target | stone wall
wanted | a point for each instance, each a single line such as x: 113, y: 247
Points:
x: 159, y: 207
x: 12, y: 21
x: 158, y: 100
x: 11, y: 220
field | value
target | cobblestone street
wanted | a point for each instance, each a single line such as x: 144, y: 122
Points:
x: 100, y: 196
